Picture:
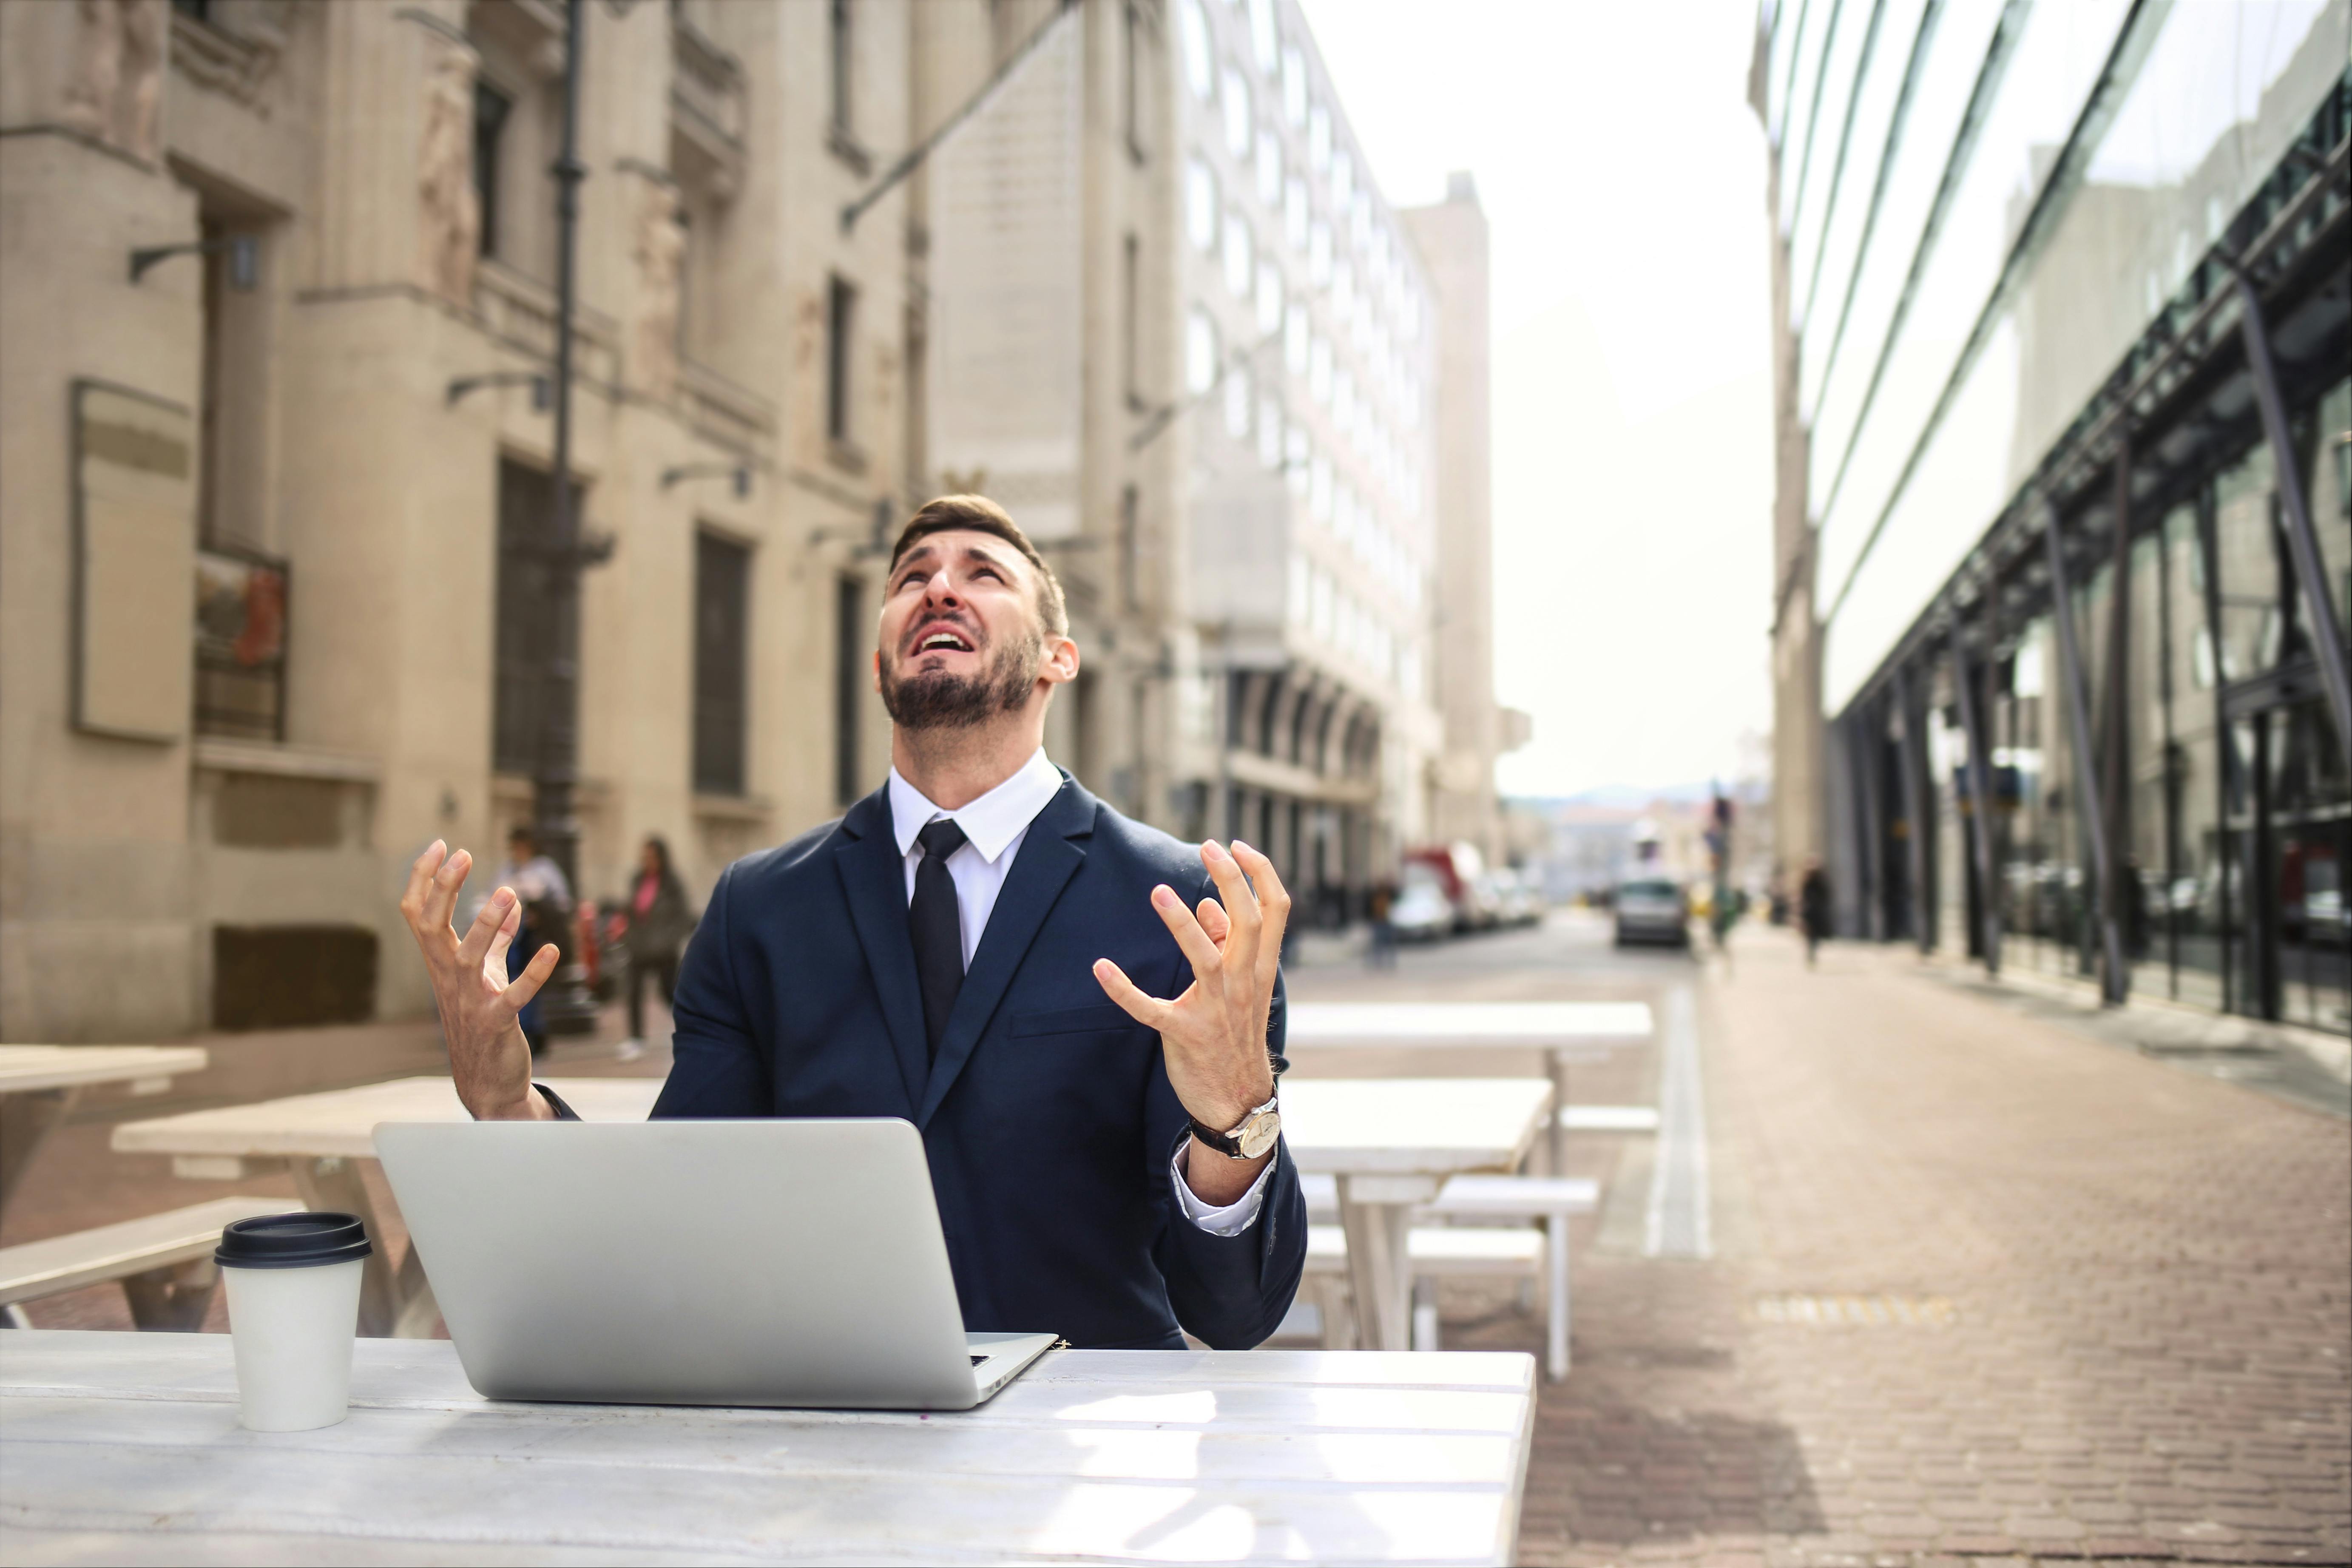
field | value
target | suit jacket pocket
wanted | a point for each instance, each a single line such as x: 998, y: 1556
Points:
x: 1102, y: 1018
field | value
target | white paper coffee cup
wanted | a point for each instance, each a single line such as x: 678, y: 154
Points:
x: 293, y: 1313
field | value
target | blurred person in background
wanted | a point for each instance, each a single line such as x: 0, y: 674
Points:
x: 1383, y: 949
x: 1813, y: 906
x: 546, y: 900
x: 660, y: 924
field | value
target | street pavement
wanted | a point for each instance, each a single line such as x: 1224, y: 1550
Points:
x: 1981, y: 1283
x: 2110, y: 1295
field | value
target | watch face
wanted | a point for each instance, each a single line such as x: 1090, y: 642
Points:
x: 1259, y: 1132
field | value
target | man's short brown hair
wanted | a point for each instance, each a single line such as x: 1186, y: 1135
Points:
x: 978, y: 514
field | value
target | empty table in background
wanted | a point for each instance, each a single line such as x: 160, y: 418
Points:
x: 39, y: 1085
x: 325, y: 1138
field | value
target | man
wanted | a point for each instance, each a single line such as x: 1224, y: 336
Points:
x: 545, y: 900
x: 1813, y: 907
x: 982, y: 948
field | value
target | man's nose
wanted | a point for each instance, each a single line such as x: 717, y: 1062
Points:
x: 940, y: 589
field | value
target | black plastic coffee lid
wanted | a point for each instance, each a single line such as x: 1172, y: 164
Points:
x: 297, y: 1240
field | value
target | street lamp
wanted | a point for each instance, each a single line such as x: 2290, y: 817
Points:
x: 568, y: 1007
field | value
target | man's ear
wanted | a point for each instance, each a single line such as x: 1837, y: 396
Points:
x: 878, y: 670
x: 1060, y: 664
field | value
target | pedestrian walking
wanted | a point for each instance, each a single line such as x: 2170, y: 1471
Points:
x: 660, y: 924
x: 1384, y: 942
x: 1813, y: 906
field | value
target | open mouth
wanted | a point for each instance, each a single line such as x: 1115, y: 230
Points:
x: 941, y: 639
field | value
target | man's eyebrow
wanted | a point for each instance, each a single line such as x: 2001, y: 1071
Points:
x: 915, y: 554
x: 975, y: 553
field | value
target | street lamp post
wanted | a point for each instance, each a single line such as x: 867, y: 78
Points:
x: 569, y: 1008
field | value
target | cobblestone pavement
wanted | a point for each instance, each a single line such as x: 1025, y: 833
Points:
x: 2128, y: 1287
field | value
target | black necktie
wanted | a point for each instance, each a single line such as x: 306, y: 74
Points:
x: 937, y: 927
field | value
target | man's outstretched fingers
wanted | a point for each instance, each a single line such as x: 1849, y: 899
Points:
x: 420, y: 879
x: 1274, y: 900
x: 1211, y: 916
x: 441, y: 893
x: 496, y: 916
x: 524, y: 986
x: 1146, y: 1010
x: 1198, y: 948
x: 1241, y: 905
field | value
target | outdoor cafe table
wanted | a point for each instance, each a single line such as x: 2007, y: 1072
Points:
x: 120, y: 1447
x: 1570, y: 1034
x: 326, y: 1138
x: 38, y: 1084
x: 1393, y: 1142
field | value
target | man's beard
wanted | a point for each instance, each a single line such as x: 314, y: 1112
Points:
x: 937, y: 700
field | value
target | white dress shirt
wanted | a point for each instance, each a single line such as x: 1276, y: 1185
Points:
x: 994, y: 826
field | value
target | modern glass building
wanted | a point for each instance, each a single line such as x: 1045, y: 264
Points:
x: 2065, y: 493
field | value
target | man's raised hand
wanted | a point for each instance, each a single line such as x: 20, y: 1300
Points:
x: 489, y: 1056
x: 1212, y: 1038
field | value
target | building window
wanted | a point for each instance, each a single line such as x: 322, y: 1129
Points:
x: 1265, y: 38
x: 840, y: 322
x: 1269, y: 299
x: 1200, y: 64
x: 1240, y: 125
x: 1294, y: 85
x: 1240, y: 393
x: 1269, y: 169
x: 526, y: 630
x: 852, y: 647
x: 491, y: 109
x: 1201, y: 204
x: 1200, y: 352
x: 722, y: 575
x: 838, y: 47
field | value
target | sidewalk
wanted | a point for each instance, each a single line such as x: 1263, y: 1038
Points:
x: 2114, y: 1302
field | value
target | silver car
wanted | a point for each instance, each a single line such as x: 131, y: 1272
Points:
x: 1652, y: 908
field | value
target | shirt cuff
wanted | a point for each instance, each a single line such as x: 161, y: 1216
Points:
x: 1231, y: 1220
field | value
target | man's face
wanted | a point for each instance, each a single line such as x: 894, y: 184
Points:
x: 962, y: 637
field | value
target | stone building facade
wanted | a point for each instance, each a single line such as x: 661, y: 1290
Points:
x: 278, y: 308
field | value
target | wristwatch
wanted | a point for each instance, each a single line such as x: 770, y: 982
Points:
x: 1248, y: 1138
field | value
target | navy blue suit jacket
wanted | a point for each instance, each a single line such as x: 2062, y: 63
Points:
x: 1048, y: 1117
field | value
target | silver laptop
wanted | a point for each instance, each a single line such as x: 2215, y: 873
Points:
x: 778, y: 1262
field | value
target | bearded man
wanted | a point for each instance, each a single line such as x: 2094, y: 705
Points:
x: 1082, y: 1015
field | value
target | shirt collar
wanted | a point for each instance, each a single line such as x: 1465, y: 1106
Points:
x: 991, y: 822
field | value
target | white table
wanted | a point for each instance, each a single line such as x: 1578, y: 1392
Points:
x: 1570, y: 1034
x: 39, y: 1085
x: 325, y: 1138
x: 1393, y: 1142
x: 117, y: 1448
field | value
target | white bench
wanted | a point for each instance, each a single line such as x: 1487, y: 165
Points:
x: 164, y: 1261
x: 1608, y: 1118
x: 1442, y: 1251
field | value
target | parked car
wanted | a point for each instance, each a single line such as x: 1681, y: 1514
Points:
x: 1460, y: 871
x: 1421, y: 911
x: 1652, y: 908
x: 1523, y: 898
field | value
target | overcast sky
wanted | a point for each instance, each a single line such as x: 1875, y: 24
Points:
x: 1622, y: 176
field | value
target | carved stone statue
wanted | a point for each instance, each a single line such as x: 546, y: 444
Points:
x: 449, y: 216
x: 661, y: 259
x: 117, y: 91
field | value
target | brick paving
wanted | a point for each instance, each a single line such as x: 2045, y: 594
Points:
x: 2146, y: 1272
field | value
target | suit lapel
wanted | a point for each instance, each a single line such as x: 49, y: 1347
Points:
x: 1049, y: 855
x: 873, y: 878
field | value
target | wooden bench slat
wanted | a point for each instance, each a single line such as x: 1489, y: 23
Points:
x: 36, y: 1269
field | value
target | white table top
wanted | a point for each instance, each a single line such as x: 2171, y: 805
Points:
x: 1467, y: 1023
x: 343, y: 1121
x: 119, y: 1446
x: 1353, y: 1126
x: 24, y: 1069
x: 1411, y: 1126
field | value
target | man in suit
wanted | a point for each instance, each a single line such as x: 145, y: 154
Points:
x: 1082, y: 1015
